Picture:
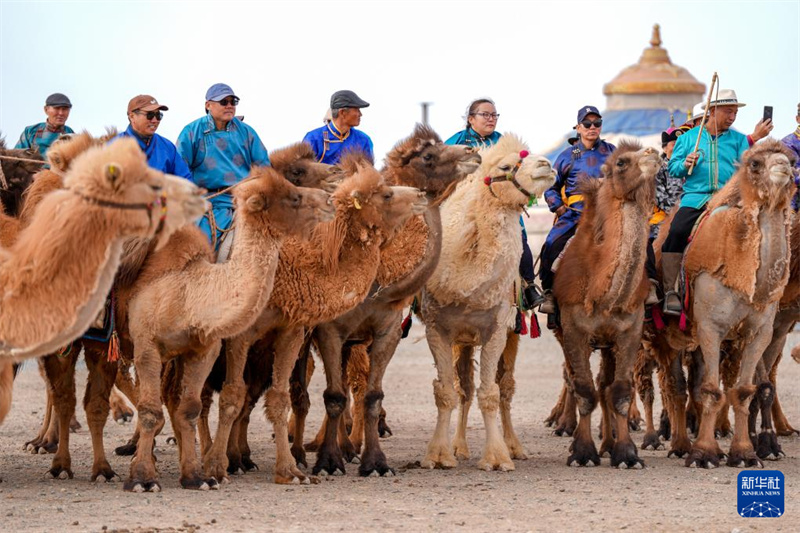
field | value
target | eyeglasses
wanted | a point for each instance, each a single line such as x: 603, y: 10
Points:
x: 487, y: 116
x: 229, y: 101
x: 589, y: 123
x: 158, y: 115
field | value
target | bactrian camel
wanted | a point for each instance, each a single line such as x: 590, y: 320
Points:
x: 469, y: 299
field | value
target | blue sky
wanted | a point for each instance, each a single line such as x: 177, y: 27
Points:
x: 540, y: 61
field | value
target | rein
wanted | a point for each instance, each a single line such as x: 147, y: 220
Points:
x: 512, y: 177
x: 159, y: 203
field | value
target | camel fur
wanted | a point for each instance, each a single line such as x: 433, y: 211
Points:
x: 469, y: 298
x: 316, y: 281
x: 75, y: 243
x: 600, y: 287
x: 735, y: 302
x: 183, y: 304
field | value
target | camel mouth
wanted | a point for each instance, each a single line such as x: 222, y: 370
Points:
x: 780, y: 175
x: 329, y: 185
x: 465, y: 168
x: 419, y: 206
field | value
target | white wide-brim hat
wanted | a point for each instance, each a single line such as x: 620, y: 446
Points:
x: 726, y: 97
x: 697, y: 111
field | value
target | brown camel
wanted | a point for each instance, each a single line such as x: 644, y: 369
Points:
x: 600, y: 287
x: 316, y: 282
x: 183, y: 304
x: 406, y: 263
x: 737, y: 267
x: 76, y: 255
x: 17, y: 167
x: 469, y: 299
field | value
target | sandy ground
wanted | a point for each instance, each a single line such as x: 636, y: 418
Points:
x: 541, y: 495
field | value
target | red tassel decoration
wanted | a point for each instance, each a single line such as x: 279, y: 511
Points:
x: 405, y: 326
x: 658, y: 320
x: 682, y: 323
x: 536, y: 331
x: 113, y: 348
x: 524, y: 329
x: 523, y: 154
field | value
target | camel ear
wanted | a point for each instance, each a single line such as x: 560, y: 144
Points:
x: 358, y: 198
x: 256, y: 202
x: 113, y: 173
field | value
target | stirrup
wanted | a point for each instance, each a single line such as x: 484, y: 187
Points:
x: 672, y: 304
x: 548, y: 305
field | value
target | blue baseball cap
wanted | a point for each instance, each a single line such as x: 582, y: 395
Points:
x: 218, y: 91
x: 587, y: 110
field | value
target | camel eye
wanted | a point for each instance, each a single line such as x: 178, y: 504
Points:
x: 754, y: 164
x: 505, y: 168
x: 620, y: 163
x: 388, y: 195
x: 427, y: 157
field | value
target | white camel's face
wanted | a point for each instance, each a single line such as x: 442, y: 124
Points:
x: 536, y: 174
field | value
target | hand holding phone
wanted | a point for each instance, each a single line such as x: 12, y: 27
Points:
x: 767, y: 113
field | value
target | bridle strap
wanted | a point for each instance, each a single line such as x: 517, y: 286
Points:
x: 510, y: 176
x: 159, y: 202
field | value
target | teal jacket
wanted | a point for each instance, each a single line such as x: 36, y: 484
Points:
x: 718, y: 158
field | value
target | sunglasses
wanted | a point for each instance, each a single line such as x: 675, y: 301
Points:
x: 158, y: 115
x: 229, y: 101
x: 588, y: 123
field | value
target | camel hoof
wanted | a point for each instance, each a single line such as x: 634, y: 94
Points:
x: 591, y: 464
x: 172, y: 440
x: 141, y: 486
x: 41, y: 451
x: 622, y: 466
x: 374, y: 474
x: 356, y: 460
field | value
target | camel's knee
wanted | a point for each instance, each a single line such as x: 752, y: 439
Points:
x: 739, y: 397
x: 372, y: 403
x: 277, y: 404
x: 335, y: 403
x: 151, y: 418
x: 489, y: 397
x: 619, y: 396
x: 585, y: 397
x: 231, y: 399
x: 444, y: 395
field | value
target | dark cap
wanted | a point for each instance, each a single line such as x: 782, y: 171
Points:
x: 343, y: 99
x: 218, y: 91
x: 58, y: 100
x: 587, y: 110
x: 145, y: 102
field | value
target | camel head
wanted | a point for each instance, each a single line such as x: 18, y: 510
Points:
x: 272, y: 202
x: 298, y: 164
x: 67, y: 147
x: 630, y: 172
x: 423, y: 161
x: 766, y: 171
x: 186, y: 203
x: 116, y: 176
x: 511, y: 175
x: 373, y: 207
x: 18, y: 174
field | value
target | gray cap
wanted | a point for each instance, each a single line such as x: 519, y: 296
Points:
x: 343, y: 99
x: 58, y: 100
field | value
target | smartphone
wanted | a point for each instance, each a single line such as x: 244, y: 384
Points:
x: 767, y: 113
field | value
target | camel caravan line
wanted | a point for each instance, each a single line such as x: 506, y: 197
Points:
x: 328, y: 259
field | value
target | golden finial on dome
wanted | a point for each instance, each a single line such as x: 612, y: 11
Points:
x: 655, y: 40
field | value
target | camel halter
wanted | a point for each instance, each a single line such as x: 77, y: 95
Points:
x: 510, y: 176
x: 159, y: 202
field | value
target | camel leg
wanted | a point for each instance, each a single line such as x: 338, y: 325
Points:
x: 345, y: 424
x: 143, y: 477
x: 619, y: 397
x: 577, y: 352
x: 231, y: 400
x: 203, y: 427
x: 6, y: 387
x: 465, y: 387
x: 238, y: 451
x: 634, y: 415
x: 102, y: 375
x: 196, y: 369
x: 782, y: 426
x: 495, y: 453
x: 507, y: 384
x: 676, y: 394
x: 729, y: 370
x: 568, y: 420
x: 772, y: 358
x: 120, y: 410
x: 604, y: 380
x: 383, y: 348
x: 301, y: 403
x: 358, y: 362
x: 558, y: 408
x: 47, y: 439
x: 287, y: 347
x: 61, y: 374
x: 643, y: 377
x: 440, y: 451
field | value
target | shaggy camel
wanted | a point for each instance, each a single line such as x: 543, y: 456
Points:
x: 406, y: 263
x: 737, y: 267
x: 298, y: 164
x: 76, y: 257
x: 605, y: 310
x: 316, y: 282
x: 469, y: 299
x: 183, y: 305
x: 16, y: 175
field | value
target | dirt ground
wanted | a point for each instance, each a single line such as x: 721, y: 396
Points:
x: 543, y: 494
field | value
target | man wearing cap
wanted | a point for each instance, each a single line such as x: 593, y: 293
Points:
x: 220, y: 149
x: 580, y: 161
x: 720, y: 149
x: 144, y: 117
x: 41, y: 136
x: 339, y: 135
